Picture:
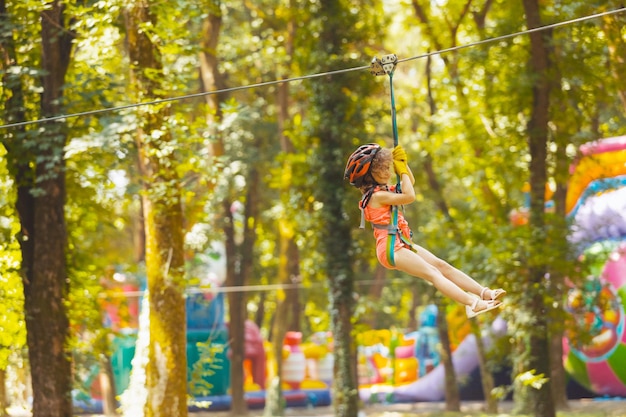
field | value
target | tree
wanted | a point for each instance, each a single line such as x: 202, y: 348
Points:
x: 537, y: 343
x: 337, y: 256
x: 166, y: 370
x: 212, y: 79
x: 466, y: 108
x: 471, y: 115
x: 38, y: 167
x: 453, y: 397
x: 611, y: 26
x: 336, y: 123
x: 287, y: 314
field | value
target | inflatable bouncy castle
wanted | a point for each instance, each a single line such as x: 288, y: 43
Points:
x: 595, y: 343
x: 397, y: 367
x: 596, y: 194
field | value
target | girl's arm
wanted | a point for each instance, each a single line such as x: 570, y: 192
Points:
x: 387, y: 198
x: 411, y: 177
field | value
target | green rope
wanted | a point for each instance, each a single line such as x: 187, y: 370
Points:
x: 391, y: 239
x: 383, y: 66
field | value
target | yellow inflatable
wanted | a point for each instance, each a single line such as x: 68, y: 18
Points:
x: 592, y: 167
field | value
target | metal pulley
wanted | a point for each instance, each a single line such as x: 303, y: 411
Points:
x: 385, y: 65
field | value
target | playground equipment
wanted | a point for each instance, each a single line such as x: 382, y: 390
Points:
x: 386, y: 358
x: 306, y: 367
x: 600, y: 167
x: 319, y: 360
x: 396, y: 367
x: 598, y: 311
x: 294, y: 361
x: 207, y: 350
x: 595, y: 346
x: 596, y: 196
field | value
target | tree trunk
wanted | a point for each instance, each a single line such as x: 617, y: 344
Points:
x: 412, y: 323
x: 539, y: 399
x: 557, y: 373
x: 43, y: 238
x: 332, y: 107
x: 166, y: 369
x: 486, y: 378
x: 236, y: 334
x: 259, y: 315
x: 244, y: 257
x: 557, y: 276
x: 286, y: 314
x: 452, y: 390
x: 47, y: 324
x: 212, y: 80
x: 107, y: 384
x: 453, y: 399
x: 237, y: 317
x: 3, y: 394
x: 283, y: 317
x: 210, y: 75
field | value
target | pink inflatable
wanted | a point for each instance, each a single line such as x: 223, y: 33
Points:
x: 604, y: 145
x: 599, y: 364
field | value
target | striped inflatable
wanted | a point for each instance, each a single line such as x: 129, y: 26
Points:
x: 598, y: 313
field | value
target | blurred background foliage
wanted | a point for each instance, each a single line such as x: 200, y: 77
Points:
x: 462, y: 118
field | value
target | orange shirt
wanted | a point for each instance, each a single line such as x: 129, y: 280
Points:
x: 382, y: 215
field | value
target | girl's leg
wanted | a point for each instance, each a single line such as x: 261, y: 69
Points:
x: 414, y: 264
x: 455, y: 275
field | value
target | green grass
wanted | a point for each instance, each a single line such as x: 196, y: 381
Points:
x: 572, y: 413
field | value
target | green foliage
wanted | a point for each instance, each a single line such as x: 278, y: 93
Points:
x: 474, y: 134
x: 531, y: 379
x: 208, y: 364
x: 12, y: 326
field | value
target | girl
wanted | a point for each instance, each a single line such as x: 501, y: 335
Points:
x: 369, y: 169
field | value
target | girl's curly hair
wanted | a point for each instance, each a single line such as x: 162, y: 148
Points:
x: 380, y: 164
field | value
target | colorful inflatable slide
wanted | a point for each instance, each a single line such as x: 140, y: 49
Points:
x: 596, y: 195
x: 595, y: 344
x: 405, y: 367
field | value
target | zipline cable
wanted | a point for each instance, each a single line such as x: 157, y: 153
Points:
x: 249, y: 288
x: 310, y: 76
x: 512, y: 35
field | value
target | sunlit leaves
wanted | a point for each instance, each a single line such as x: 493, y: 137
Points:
x: 12, y: 326
x: 532, y: 379
x: 476, y: 144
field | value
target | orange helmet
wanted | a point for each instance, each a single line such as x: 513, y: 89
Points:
x: 360, y: 163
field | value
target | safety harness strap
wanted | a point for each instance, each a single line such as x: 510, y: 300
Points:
x: 391, y: 239
x: 393, y: 232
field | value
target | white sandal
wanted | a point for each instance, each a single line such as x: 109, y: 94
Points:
x: 471, y: 310
x: 495, y: 294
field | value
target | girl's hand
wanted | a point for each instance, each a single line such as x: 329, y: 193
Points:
x: 399, y: 154
x: 400, y: 163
